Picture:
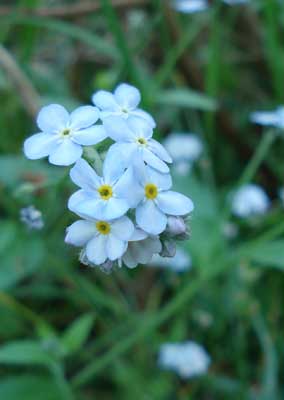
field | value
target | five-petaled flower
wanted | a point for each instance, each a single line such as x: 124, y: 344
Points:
x: 105, y: 197
x: 134, y: 140
x: 158, y: 201
x: 103, y: 240
x: 64, y: 134
x: 123, y: 102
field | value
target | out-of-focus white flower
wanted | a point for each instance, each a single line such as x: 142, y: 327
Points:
x: 180, y: 262
x: 32, y: 217
x: 123, y: 102
x: 102, y: 240
x: 141, y: 248
x: 159, y: 202
x: 193, y: 6
x: 134, y: 140
x: 106, y: 197
x: 187, y: 359
x: 190, y: 6
x: 250, y: 200
x: 269, y: 118
x: 64, y: 134
x: 185, y: 149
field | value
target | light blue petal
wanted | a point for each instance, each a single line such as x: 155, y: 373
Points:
x: 163, y: 181
x: 115, y: 247
x: 80, y: 232
x: 117, y: 129
x: 96, y: 249
x: 154, y: 162
x: 105, y: 101
x: 84, y: 176
x: 40, y: 145
x: 143, y: 114
x: 66, y: 153
x: 140, y: 127
x: 90, y: 136
x: 122, y: 228
x: 114, y: 166
x: 265, y: 118
x: 79, y: 197
x: 174, y: 203
x: 114, y: 208
x: 83, y: 117
x: 127, y: 96
x: 128, y: 188
x: 160, y: 151
x: 150, y: 218
x: 53, y: 118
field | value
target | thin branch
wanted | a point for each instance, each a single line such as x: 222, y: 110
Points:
x: 25, y: 89
x: 69, y: 11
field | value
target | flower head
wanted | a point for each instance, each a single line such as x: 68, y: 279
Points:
x: 250, y: 200
x: 133, y: 139
x: 185, y: 149
x: 64, y: 134
x: 187, y: 359
x: 102, y: 240
x: 190, y: 6
x: 159, y: 202
x: 123, y: 102
x: 32, y: 217
x: 141, y: 248
x: 269, y: 118
x: 106, y: 197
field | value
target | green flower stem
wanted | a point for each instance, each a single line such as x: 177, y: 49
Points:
x: 258, y: 157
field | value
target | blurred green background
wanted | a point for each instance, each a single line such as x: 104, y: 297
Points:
x: 71, y: 332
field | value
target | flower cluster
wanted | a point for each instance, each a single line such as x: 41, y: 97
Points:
x: 128, y: 211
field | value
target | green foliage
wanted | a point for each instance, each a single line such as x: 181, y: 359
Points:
x: 70, y: 332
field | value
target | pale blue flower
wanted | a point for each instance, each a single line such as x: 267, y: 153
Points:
x: 102, y: 240
x: 180, y: 262
x: 269, y: 118
x: 32, y: 217
x: 158, y: 201
x: 64, y: 134
x: 141, y: 248
x: 134, y: 141
x: 106, y: 197
x: 193, y: 6
x: 250, y: 200
x: 187, y: 359
x: 123, y: 102
x: 185, y: 149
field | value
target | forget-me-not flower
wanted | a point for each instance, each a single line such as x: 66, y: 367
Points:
x: 123, y: 102
x: 269, y: 118
x: 103, y: 240
x: 185, y: 149
x: 133, y: 139
x: 158, y: 201
x: 64, y: 134
x: 141, y: 248
x: 193, y: 6
x: 32, y: 217
x: 250, y: 200
x: 106, y: 197
x: 187, y: 359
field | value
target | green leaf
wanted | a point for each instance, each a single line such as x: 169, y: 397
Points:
x: 76, y: 335
x: 25, y: 352
x: 187, y: 98
x: 29, y: 387
x: 270, y: 254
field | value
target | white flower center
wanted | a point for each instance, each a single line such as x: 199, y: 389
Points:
x: 141, y: 141
x: 105, y: 191
x: 65, y: 133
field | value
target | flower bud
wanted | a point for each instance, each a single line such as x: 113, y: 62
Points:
x: 106, y: 267
x: 168, y: 248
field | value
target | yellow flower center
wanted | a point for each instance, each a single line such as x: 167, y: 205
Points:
x: 65, y: 132
x: 142, y: 141
x: 151, y: 191
x: 105, y: 192
x: 103, y: 227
